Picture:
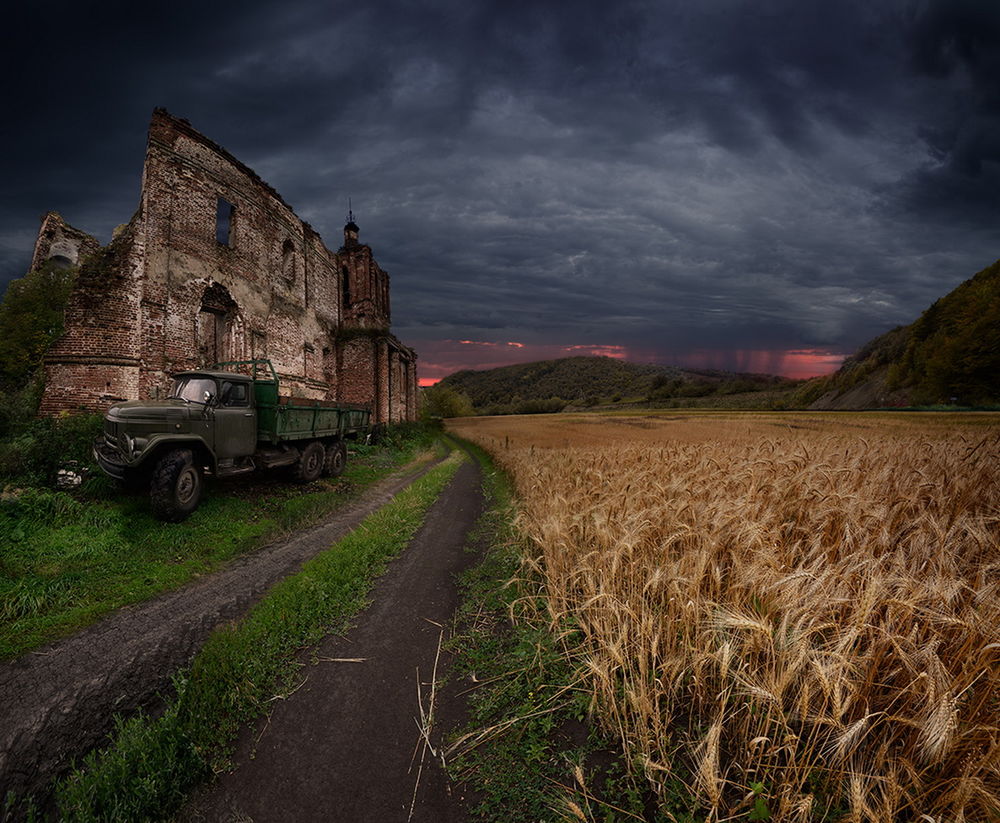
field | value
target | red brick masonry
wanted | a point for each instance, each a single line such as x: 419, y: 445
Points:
x: 215, y: 266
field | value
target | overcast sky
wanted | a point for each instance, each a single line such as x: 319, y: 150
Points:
x: 757, y: 185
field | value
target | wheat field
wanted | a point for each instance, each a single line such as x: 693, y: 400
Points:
x: 787, y: 612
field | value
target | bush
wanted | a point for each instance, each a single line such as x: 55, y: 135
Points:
x: 401, y: 436
x: 550, y: 406
x: 33, y: 450
x: 19, y: 406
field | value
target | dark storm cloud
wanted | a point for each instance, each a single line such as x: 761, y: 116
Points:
x: 660, y: 176
x: 955, y: 47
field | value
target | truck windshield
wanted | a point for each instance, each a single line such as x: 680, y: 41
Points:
x: 193, y: 389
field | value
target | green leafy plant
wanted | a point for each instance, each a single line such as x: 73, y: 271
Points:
x: 760, y: 811
x: 31, y: 317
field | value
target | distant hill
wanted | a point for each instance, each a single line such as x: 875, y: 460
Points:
x: 585, y: 382
x: 949, y: 355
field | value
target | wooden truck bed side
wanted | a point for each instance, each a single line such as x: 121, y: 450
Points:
x: 294, y: 418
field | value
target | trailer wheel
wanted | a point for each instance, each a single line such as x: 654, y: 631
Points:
x: 336, y: 459
x: 309, y: 466
x: 176, y: 485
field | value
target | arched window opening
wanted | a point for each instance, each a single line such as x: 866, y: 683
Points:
x: 60, y: 261
x: 215, y: 325
x: 346, y: 286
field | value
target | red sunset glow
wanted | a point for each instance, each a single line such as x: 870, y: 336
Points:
x: 440, y: 358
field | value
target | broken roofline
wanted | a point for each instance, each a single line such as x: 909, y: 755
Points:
x: 183, y: 125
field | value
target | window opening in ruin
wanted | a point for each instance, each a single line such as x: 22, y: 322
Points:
x: 212, y: 333
x: 258, y: 344
x: 215, y: 325
x: 224, y: 211
x: 288, y: 261
x: 346, y: 277
x: 60, y: 261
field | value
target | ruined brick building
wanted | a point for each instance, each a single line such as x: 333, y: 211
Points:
x: 215, y: 266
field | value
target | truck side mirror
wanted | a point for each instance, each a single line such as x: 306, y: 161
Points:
x: 209, y: 397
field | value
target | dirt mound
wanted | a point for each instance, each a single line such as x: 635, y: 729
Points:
x: 872, y: 393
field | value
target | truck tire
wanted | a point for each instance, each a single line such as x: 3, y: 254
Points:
x: 176, y: 485
x: 336, y: 459
x: 309, y: 466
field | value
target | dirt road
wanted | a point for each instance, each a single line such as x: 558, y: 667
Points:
x: 341, y: 747
x: 58, y: 702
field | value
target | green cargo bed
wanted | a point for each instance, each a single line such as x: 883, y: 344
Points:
x: 295, y: 418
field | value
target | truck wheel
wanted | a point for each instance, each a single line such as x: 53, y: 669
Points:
x: 336, y: 459
x: 175, y: 488
x: 309, y: 466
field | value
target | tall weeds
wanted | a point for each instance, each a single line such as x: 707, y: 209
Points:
x: 805, y: 623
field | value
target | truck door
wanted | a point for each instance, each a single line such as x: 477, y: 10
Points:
x: 235, y: 421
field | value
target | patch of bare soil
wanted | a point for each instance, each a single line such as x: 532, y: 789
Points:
x: 347, y: 744
x: 57, y: 703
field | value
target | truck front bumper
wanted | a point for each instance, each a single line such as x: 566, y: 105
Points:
x: 109, y: 459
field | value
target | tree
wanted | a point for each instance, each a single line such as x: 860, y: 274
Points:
x: 444, y: 401
x: 31, y: 318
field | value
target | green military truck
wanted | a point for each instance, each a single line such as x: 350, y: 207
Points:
x: 224, y: 421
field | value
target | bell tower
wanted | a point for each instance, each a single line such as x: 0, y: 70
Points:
x: 351, y: 229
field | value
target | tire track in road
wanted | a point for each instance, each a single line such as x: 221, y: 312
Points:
x: 341, y: 746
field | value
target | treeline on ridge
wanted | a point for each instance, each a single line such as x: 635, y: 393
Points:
x: 586, y: 382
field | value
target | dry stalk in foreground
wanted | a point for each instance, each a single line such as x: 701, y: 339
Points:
x: 813, y: 613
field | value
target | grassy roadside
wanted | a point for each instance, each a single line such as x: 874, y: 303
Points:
x: 529, y: 752
x: 70, y: 558
x: 152, y: 764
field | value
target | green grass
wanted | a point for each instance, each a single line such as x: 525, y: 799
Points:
x: 529, y: 752
x: 70, y: 558
x: 152, y: 764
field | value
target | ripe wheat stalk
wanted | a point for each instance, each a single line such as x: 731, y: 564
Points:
x: 813, y: 610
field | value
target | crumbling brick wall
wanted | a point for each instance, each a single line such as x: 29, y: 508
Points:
x: 59, y: 241
x: 215, y: 266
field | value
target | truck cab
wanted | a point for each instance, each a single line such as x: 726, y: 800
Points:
x: 212, y: 412
x: 229, y: 408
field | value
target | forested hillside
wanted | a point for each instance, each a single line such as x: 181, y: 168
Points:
x: 949, y: 355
